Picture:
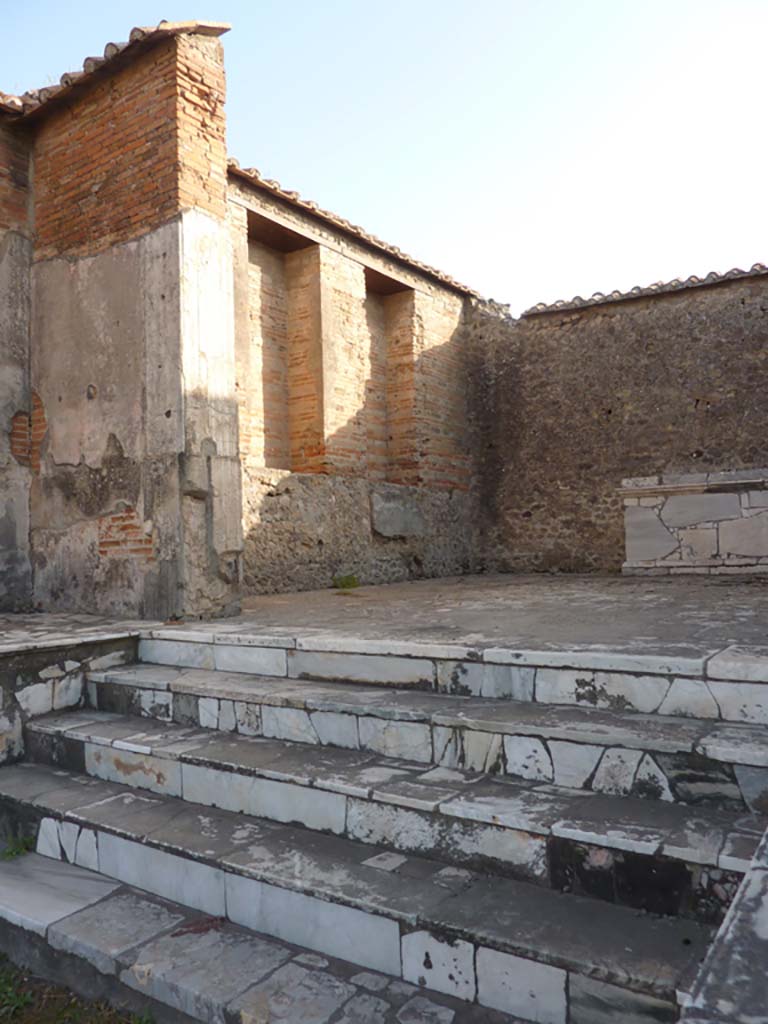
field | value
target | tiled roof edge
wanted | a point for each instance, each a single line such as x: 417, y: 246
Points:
x: 35, y: 100
x: 660, y: 288
x: 253, y: 176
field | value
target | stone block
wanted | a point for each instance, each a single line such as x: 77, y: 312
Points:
x: 521, y: 987
x: 103, y: 934
x: 268, y: 798
x: 409, y: 740
x: 421, y: 1010
x: 745, y: 664
x: 160, y: 775
x: 345, y: 932
x: 647, y: 538
x: 528, y: 758
x: 364, y: 1009
x: 596, y: 1002
x: 698, y: 543
x: 574, y: 763
x: 336, y: 730
x: 164, y: 874
x: 177, y: 652
x: 200, y: 968
x: 741, y: 702
x: 616, y: 772
x: 689, y: 698
x: 260, y: 661
x: 471, y: 678
x: 747, y: 538
x: 36, y: 891
x: 66, y: 841
x: 36, y: 699
x: 360, y: 667
x: 395, y: 512
x: 753, y: 783
x: 689, y: 509
x: 440, y: 965
x: 288, y: 724
x: 295, y: 995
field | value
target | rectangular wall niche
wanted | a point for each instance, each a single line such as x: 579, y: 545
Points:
x: 325, y: 377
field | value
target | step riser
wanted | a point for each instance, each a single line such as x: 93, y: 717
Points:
x: 603, y: 767
x: 493, y: 978
x: 626, y: 683
x: 639, y: 875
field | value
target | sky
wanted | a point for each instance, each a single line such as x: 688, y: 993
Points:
x: 533, y: 149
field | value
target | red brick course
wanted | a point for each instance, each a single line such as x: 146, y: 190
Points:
x: 122, y: 535
x: 131, y: 152
x: 28, y: 433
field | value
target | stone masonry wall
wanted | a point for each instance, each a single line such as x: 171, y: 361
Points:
x: 703, y: 523
x: 353, y: 438
x: 16, y: 427
x: 566, y: 404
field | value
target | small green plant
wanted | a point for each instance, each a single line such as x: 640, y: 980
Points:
x: 142, y: 1018
x: 12, y: 1000
x: 17, y: 847
x: 348, y: 582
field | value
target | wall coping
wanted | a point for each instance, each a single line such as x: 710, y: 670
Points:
x: 695, y: 483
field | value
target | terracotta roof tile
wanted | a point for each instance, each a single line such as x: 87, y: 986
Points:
x: 254, y: 177
x: 32, y: 101
x: 599, y: 299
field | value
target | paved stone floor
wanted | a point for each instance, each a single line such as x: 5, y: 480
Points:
x: 644, y: 616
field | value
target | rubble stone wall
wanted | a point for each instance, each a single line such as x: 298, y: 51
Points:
x: 566, y: 404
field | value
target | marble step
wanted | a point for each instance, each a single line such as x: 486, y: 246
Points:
x: 614, y: 752
x: 160, y: 959
x: 509, y: 945
x: 663, y: 858
x: 726, y: 683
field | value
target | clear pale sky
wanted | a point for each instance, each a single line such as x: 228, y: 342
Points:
x: 534, y: 149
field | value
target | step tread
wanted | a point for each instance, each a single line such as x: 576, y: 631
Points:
x: 199, y: 965
x: 702, y: 835
x: 742, y: 742
x: 605, y: 941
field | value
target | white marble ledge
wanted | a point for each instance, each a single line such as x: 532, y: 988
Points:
x: 694, y: 483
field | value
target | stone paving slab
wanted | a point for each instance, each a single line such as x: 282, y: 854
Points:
x: 336, y: 893
x: 37, y: 891
x: 207, y: 968
x: 679, y: 623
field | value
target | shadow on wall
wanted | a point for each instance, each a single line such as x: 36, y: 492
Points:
x: 304, y: 530
x: 568, y: 404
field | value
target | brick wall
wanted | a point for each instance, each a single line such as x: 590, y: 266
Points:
x: 126, y: 155
x: 305, y: 369
x: 342, y: 371
x: 14, y: 177
x: 28, y: 433
x: 441, y: 392
x: 262, y: 370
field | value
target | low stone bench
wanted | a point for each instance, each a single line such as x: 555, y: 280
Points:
x: 701, y: 523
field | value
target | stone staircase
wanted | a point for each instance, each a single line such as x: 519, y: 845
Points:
x: 538, y: 840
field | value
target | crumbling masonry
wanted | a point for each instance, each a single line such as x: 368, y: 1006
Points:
x: 210, y: 387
